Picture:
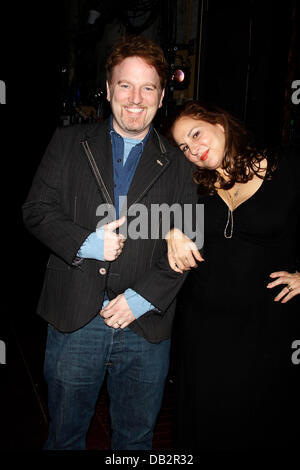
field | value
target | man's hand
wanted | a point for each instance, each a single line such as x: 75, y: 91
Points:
x: 117, y: 313
x: 113, y: 243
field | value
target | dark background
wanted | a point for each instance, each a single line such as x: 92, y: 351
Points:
x: 242, y: 56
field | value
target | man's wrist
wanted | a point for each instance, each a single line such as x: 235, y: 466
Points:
x: 93, y: 246
x: 137, y: 304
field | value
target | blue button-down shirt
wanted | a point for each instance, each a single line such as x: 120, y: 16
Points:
x: 124, y: 163
x: 126, y: 155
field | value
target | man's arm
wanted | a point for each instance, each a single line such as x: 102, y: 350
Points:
x: 160, y: 284
x: 42, y: 212
x: 125, y: 308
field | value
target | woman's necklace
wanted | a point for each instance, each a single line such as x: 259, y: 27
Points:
x: 232, y: 203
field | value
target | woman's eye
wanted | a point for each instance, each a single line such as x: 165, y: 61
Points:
x: 185, y: 148
x: 196, y: 134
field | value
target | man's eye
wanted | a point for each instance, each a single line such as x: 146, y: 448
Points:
x: 148, y: 88
x: 124, y: 85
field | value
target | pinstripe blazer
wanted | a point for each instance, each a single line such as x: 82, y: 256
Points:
x: 74, y: 177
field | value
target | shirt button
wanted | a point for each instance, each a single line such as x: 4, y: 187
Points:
x: 119, y: 160
x: 102, y: 271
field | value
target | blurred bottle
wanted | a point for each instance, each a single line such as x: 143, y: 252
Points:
x: 67, y: 112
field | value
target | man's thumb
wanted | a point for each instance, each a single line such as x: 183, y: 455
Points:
x: 115, y: 224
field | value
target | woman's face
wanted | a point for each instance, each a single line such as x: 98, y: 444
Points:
x: 201, y: 142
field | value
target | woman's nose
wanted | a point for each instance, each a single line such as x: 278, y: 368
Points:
x: 194, y: 149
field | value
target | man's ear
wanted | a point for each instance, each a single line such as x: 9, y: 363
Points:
x: 107, y: 91
x: 161, y: 98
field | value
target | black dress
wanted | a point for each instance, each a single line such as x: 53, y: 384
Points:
x: 237, y: 386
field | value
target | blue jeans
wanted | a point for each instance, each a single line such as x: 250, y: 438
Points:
x: 75, y: 367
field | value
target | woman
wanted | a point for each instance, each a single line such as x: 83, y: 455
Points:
x: 238, y: 318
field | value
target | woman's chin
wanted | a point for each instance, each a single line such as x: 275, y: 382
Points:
x: 208, y: 165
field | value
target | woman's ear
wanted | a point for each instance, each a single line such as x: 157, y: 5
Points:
x: 221, y: 127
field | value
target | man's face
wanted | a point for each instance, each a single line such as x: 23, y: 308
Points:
x: 135, y: 95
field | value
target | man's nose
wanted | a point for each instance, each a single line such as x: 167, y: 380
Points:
x: 136, y: 96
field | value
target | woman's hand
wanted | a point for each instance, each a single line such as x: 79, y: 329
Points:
x: 292, y: 287
x: 182, y: 252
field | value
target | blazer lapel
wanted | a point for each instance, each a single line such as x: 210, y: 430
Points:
x: 98, y: 144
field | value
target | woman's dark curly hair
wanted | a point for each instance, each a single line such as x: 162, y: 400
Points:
x: 241, y: 159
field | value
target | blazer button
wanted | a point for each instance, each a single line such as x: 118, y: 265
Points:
x: 102, y: 271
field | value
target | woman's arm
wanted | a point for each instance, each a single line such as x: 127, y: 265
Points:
x: 291, y: 281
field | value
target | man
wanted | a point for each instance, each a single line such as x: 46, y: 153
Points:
x: 84, y: 170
